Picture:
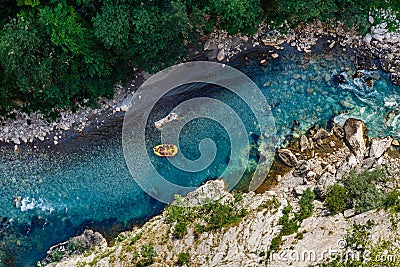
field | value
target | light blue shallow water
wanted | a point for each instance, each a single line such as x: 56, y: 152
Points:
x: 85, y: 183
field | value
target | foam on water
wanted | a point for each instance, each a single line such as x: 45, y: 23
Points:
x: 30, y: 204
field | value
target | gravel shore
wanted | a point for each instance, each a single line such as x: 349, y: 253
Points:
x: 33, y: 130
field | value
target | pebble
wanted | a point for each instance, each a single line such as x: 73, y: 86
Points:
x: 16, y: 140
x: 221, y: 55
x: 124, y: 108
x: 274, y: 55
x: 332, y: 144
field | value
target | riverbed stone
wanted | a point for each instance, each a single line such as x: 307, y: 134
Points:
x: 221, y: 55
x: 321, y: 134
x: 379, y: 146
x: 287, y: 157
x: 364, y: 60
x: 303, y: 143
x: 355, y: 137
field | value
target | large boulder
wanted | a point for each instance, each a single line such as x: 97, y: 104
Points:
x: 210, y: 191
x: 287, y: 157
x: 379, y: 146
x: 355, y: 137
x: 171, y: 117
x: 342, y: 170
x: 325, y: 181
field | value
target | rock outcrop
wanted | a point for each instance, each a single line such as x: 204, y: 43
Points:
x: 89, y: 240
x: 248, y: 242
x: 355, y: 137
x: 379, y: 146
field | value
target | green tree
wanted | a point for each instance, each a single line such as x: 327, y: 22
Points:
x: 362, y: 189
x: 306, y: 204
x: 336, y: 199
x: 52, y: 59
x: 112, y: 25
x: 236, y: 15
x: 183, y: 258
x: 148, y: 36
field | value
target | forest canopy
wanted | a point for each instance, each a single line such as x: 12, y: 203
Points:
x: 57, y: 53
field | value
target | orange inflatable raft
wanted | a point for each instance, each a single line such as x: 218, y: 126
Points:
x: 165, y: 150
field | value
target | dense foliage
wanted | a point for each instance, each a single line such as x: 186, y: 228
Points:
x: 183, y: 259
x: 360, y: 191
x: 61, y: 53
x: 336, y: 199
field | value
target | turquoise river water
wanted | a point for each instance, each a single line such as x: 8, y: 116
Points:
x: 85, y: 183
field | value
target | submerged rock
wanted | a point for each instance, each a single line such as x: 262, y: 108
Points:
x: 338, y: 79
x: 274, y: 55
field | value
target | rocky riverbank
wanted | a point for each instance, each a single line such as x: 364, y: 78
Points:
x: 34, y: 130
x: 263, y: 228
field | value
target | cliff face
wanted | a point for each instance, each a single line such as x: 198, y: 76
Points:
x: 292, y: 224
